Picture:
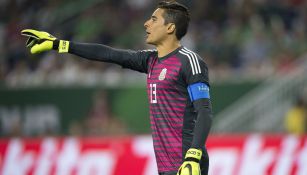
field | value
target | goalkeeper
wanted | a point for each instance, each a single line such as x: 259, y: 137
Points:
x: 177, y: 86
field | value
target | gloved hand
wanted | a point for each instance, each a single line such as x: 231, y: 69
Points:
x: 40, y: 41
x: 191, y: 165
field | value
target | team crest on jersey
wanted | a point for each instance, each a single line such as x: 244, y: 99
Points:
x: 162, y: 74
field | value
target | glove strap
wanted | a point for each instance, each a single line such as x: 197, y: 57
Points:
x: 193, y: 155
x: 63, y: 46
x: 55, y: 45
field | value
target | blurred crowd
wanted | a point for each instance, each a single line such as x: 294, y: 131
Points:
x: 239, y: 39
x: 47, y: 119
x: 100, y: 119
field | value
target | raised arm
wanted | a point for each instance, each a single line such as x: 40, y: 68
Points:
x: 39, y: 41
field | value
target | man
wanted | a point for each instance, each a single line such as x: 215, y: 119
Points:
x: 177, y: 86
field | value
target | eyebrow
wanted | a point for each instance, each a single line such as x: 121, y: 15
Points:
x: 154, y: 17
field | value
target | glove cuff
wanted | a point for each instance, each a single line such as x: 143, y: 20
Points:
x: 193, y: 155
x: 61, y: 45
x: 191, y: 159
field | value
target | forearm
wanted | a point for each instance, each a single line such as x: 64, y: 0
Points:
x: 203, y: 123
x: 100, y: 52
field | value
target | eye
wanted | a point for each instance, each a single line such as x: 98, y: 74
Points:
x: 154, y: 19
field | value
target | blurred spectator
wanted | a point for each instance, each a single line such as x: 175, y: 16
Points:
x: 296, y: 118
x: 100, y: 120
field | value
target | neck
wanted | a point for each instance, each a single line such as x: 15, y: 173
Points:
x: 167, y: 47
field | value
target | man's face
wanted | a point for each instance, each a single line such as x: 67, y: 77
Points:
x: 155, y: 28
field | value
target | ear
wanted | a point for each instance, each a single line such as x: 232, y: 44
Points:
x: 171, y: 28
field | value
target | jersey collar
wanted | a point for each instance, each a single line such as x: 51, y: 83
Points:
x: 170, y: 54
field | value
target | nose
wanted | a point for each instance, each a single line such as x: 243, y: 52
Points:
x: 146, y: 24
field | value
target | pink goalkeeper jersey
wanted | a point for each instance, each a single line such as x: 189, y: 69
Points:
x: 172, y: 116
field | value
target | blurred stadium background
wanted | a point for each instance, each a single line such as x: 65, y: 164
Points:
x: 256, y: 51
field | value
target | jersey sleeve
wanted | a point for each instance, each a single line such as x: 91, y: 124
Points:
x: 194, y: 69
x: 139, y: 60
x: 135, y: 60
x: 195, y: 74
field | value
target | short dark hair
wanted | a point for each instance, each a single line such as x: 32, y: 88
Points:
x: 178, y: 14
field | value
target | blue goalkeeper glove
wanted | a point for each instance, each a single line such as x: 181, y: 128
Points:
x: 191, y: 165
x: 40, y: 41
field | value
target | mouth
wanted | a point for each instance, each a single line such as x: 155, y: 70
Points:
x: 147, y: 33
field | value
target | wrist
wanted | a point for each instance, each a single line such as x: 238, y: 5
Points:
x: 193, y: 154
x: 61, y: 46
